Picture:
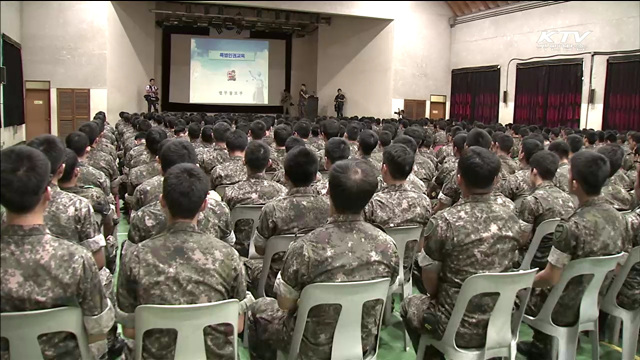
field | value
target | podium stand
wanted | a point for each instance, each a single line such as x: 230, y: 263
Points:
x: 311, y: 109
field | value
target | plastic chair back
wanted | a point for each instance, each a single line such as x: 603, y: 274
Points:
x: 546, y: 227
x: 275, y: 244
x: 23, y: 328
x: 347, y: 342
x: 221, y: 190
x: 609, y: 302
x: 251, y: 212
x: 402, y: 236
x: 189, y: 321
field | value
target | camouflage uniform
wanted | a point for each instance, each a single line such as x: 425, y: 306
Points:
x: 508, y: 164
x: 321, y: 186
x: 277, y: 160
x: 104, y: 163
x: 629, y: 295
x: 210, y: 157
x: 346, y: 249
x: 476, y: 235
x: 41, y: 272
x: 143, y: 158
x: 280, y: 179
x: 545, y: 202
x: 107, y: 148
x: 229, y: 173
x: 444, y: 153
x: 371, y: 160
x: 145, y: 194
x: 139, y: 151
x: 255, y: 190
x: 518, y: 184
x: 515, y: 150
x: 589, y: 147
x: 439, y: 138
x: 562, y: 177
x: 627, y: 161
x: 180, y: 266
x: 197, y: 144
x: 616, y: 196
x: 353, y: 147
x: 300, y: 211
x: 423, y: 169
x: 143, y: 173
x: 89, y: 176
x: 621, y: 179
x: 316, y: 143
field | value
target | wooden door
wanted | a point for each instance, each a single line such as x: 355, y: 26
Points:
x: 38, y: 113
x: 437, y: 111
x: 73, y: 110
x: 415, y: 109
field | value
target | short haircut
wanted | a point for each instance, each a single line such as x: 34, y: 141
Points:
x: 140, y: 136
x: 407, y: 141
x: 220, y: 131
x: 236, y: 141
x: 352, y: 183
x: 575, y: 143
x: 478, y: 137
x: 194, y: 131
x: 368, y: 140
x: 315, y: 130
x: 601, y: 135
x: 293, y: 142
x: 385, y: 138
x: 144, y: 125
x: 280, y: 134
x: 177, y: 151
x: 352, y: 131
x: 256, y: 156
x: 591, y: 137
x: 337, y: 149
x: 590, y: 169
x: 546, y: 163
x: 428, y: 141
x: 258, y: 129
x: 505, y: 142
x: 70, y: 165
x: 611, y: 137
x: 417, y: 134
x: 615, y: 154
x: 52, y: 148
x: 153, y: 138
x: 301, y: 166
x: 560, y: 148
x: 330, y: 128
x: 78, y: 142
x: 91, y: 130
x: 303, y: 129
x: 24, y: 177
x: 399, y: 160
x: 529, y: 148
x: 478, y: 167
x: 184, y: 189
x: 207, y: 134
x: 459, y: 141
x: 179, y: 129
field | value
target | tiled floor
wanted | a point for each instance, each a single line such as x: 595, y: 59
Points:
x: 391, y: 342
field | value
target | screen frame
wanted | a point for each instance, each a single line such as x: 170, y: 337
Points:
x: 167, y: 105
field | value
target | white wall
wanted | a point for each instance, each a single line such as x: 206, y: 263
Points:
x: 614, y: 25
x: 10, y: 24
x: 304, y: 63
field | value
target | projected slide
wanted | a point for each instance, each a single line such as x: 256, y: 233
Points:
x: 227, y: 71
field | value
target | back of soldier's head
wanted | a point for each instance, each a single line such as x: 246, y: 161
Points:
x: 459, y: 141
x: 236, y: 141
x: 293, y: 142
x: 590, y: 170
x: 78, y: 142
x: 560, y: 148
x: 478, y: 168
x: 611, y: 137
x: 280, y: 134
x: 70, y: 166
x: 24, y: 177
x: 352, y: 183
x: 315, y: 130
x: 352, y: 131
x: 220, y: 131
x: 406, y: 141
x: 256, y: 156
x: 391, y: 129
x: 368, y: 140
x: 337, y: 149
x: 177, y: 151
x: 301, y: 166
x: 427, y: 143
x: 184, y: 190
x: 398, y: 160
x: 194, y: 130
x: 330, y: 128
x: 52, y: 148
x: 546, y: 163
x: 529, y: 148
x: 478, y: 137
x: 575, y: 143
x: 144, y: 125
x: 591, y: 137
x: 505, y: 142
x: 207, y: 134
x: 153, y: 139
x: 91, y: 130
x: 385, y: 138
x: 416, y: 133
x: 258, y: 130
x: 302, y: 129
x: 615, y: 154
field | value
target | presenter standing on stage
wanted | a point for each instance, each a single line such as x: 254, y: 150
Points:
x: 285, y: 101
x: 302, y: 101
x: 151, y: 95
x: 339, y: 103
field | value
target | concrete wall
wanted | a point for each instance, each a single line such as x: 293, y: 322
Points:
x: 10, y: 24
x: 304, y: 63
x: 614, y: 25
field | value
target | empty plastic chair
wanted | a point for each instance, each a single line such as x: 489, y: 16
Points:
x: 630, y: 318
x: 275, y: 244
x: 221, y: 189
x: 347, y: 342
x: 23, y: 328
x: 251, y: 212
x: 546, y: 227
x: 189, y: 321
x: 566, y: 340
x: 501, y: 331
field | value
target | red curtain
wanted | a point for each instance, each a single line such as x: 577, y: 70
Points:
x: 622, y: 96
x: 548, y: 95
x: 475, y: 94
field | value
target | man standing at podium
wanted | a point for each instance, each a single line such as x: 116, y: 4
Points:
x: 302, y: 101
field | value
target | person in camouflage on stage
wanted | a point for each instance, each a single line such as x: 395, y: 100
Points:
x: 615, y: 195
x: 346, y: 249
x: 210, y: 157
x: 233, y: 170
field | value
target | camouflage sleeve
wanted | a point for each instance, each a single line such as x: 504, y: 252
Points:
x: 216, y: 179
x: 126, y: 292
x: 113, y: 171
x: 225, y: 228
x: 508, y: 187
x: 292, y: 279
x: 137, y: 228
x: 105, y: 184
x: 633, y: 221
x: 90, y: 235
x: 438, y: 236
x: 238, y: 283
x: 450, y: 193
x: 97, y: 309
x: 528, y: 211
x: 563, y: 244
x: 266, y: 226
x: 369, y: 213
x: 136, y: 200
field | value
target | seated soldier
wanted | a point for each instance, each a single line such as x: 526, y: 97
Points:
x: 336, y: 149
x: 518, y: 184
x: 163, y: 269
x: 323, y: 256
x: 97, y: 159
x: 300, y: 211
x: 384, y: 140
x: 88, y: 176
x: 615, y: 195
x: 232, y: 171
x: 255, y: 190
x: 193, y: 131
x: 590, y: 139
x: 502, y: 144
x: 39, y: 270
x: 427, y: 152
x: 413, y: 182
x: 544, y: 203
x: 423, y: 169
x: 151, y: 219
x: 367, y: 142
x: 280, y: 135
x: 629, y: 295
x: 147, y: 171
x: 579, y: 236
x: 351, y: 133
x: 210, y: 157
x: 291, y: 143
x: 562, y: 150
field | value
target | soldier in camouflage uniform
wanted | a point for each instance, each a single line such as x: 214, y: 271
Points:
x: 300, y: 211
x: 255, y: 190
x: 97, y: 159
x: 418, y: 176
x: 291, y: 143
x: 427, y: 152
x: 40, y: 271
x: 351, y: 135
x: 424, y: 169
x: 346, y: 249
x: 615, y: 195
x: 518, y: 184
x: 502, y: 145
x: 280, y: 135
x: 232, y: 171
x: 161, y: 270
x: 440, y: 137
x: 79, y: 143
x: 335, y: 150
x: 476, y: 235
x: 367, y: 142
x: 210, y: 157
x: 545, y: 202
x: 562, y: 150
x: 193, y: 131
x: 629, y: 295
x: 147, y: 171
x: 576, y: 237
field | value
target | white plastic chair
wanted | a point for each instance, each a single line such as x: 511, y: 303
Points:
x: 546, y: 227
x: 248, y: 212
x: 189, y: 321
x: 23, y: 328
x: 275, y: 244
x: 401, y: 236
x: 221, y: 190
x: 630, y: 318
x: 347, y: 342
x: 503, y: 323
x: 566, y: 341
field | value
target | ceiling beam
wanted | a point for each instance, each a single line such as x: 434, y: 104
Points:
x: 465, y: 7
x: 456, y: 9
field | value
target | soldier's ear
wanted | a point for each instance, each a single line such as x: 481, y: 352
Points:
x: 76, y: 172
x: 163, y: 203
x: 203, y: 207
x: 46, y: 197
